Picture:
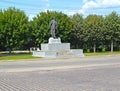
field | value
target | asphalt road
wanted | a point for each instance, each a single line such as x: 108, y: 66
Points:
x: 67, y: 74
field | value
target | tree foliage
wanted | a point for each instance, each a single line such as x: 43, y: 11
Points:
x: 13, y: 28
x: 112, y: 31
x: 77, y: 34
x: 93, y: 29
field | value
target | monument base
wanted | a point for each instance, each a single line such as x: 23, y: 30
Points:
x: 56, y: 49
x: 59, y: 54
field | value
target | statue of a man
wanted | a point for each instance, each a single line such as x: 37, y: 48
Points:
x: 54, y: 27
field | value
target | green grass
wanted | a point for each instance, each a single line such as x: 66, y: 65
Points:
x: 17, y: 57
x: 102, y: 53
x: 29, y: 56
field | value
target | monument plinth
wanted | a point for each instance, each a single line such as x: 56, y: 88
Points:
x: 53, y: 41
x: 55, y: 45
x: 55, y: 49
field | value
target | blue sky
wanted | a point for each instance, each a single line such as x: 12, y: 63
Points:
x: 70, y: 7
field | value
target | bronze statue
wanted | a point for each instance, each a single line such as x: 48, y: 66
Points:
x: 54, y: 27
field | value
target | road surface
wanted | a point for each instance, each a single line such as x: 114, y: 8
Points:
x: 67, y: 74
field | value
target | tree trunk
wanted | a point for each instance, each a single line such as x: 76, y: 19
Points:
x: 10, y: 51
x: 112, y: 46
x: 94, y: 48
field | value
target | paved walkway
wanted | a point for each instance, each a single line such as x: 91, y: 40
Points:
x: 54, y: 64
x: 74, y: 74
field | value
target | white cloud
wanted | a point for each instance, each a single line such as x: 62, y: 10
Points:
x: 90, y: 4
x: 30, y: 16
x: 71, y: 12
x: 110, y: 2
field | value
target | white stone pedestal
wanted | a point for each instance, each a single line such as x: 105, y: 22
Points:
x: 55, y: 49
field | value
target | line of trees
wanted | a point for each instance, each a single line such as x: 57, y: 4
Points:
x: 93, y: 33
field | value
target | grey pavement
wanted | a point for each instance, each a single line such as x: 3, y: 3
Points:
x: 65, y: 74
x: 61, y: 63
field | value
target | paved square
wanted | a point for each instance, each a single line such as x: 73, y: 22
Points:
x: 88, y: 78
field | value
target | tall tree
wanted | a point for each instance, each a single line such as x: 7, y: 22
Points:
x: 93, y: 29
x: 1, y: 31
x: 112, y: 22
x: 15, y: 28
x: 77, y: 32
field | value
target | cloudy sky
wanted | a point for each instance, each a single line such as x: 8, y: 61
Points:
x: 70, y: 7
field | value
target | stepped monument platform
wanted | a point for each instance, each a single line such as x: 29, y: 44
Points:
x: 55, y: 49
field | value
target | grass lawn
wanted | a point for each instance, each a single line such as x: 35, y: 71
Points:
x: 29, y: 56
x: 17, y: 57
x: 102, y: 53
